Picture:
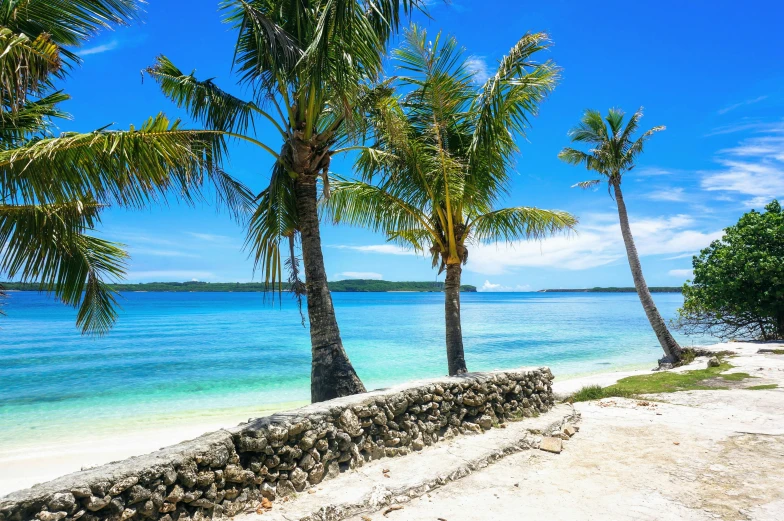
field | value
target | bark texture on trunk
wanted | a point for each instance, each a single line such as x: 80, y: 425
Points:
x: 672, y: 350
x: 454, y: 332
x: 332, y: 374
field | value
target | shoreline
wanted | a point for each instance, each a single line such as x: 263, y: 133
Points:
x: 25, y: 464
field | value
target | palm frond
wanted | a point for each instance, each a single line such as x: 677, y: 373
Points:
x: 417, y: 239
x: 578, y: 157
x: 631, y: 127
x: 48, y: 244
x: 635, y: 148
x: 26, y: 66
x: 265, y: 51
x: 377, y: 208
x: 591, y: 129
x: 205, y: 101
x: 513, y: 94
x: 522, y: 222
x: 232, y: 195
x: 385, y: 15
x: 615, y: 121
x: 129, y: 168
x: 32, y: 117
x: 273, y: 221
x: 585, y: 185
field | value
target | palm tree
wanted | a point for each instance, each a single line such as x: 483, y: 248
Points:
x: 53, y: 187
x: 441, y: 161
x: 613, y: 154
x: 308, y: 64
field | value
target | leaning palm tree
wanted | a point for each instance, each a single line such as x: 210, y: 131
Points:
x: 53, y: 187
x: 441, y: 161
x: 613, y: 154
x: 308, y: 64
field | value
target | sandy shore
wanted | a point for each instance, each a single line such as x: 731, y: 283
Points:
x: 26, y: 464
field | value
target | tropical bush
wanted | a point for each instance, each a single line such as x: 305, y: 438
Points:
x: 738, y: 285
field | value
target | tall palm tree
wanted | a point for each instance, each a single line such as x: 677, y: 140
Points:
x: 53, y: 187
x: 613, y: 153
x: 308, y: 64
x: 441, y: 160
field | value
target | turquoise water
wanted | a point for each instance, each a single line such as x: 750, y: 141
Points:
x: 179, y: 356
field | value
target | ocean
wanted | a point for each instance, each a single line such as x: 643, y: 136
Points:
x: 186, y: 357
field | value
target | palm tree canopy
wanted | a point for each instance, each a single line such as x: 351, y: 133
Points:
x: 614, y: 150
x: 312, y: 68
x: 444, y: 148
x: 53, y: 187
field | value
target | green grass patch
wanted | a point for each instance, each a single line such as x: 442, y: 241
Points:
x: 736, y: 377
x: 773, y: 351
x: 661, y: 382
x: 762, y: 387
x: 597, y: 392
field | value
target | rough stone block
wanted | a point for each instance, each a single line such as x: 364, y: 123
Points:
x: 549, y: 444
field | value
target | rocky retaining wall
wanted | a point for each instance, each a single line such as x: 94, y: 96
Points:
x: 225, y: 472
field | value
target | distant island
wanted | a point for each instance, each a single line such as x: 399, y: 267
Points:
x: 654, y: 289
x: 340, y: 286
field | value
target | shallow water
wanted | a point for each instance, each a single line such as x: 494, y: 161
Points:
x: 180, y: 357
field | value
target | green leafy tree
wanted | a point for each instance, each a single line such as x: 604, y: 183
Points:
x: 738, y: 286
x: 614, y: 152
x: 308, y: 64
x: 441, y: 160
x: 53, y: 187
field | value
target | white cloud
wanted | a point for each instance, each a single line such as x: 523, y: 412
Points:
x: 98, y: 49
x: 389, y: 249
x: 128, y: 40
x: 683, y: 274
x: 478, y: 66
x: 754, y: 168
x: 209, y: 237
x: 162, y: 253
x: 598, y: 243
x: 497, y: 288
x: 169, y: 275
x: 742, y: 104
x: 488, y: 286
x: 669, y: 194
x: 358, y: 275
x: 682, y: 256
x: 742, y: 126
x: 651, y: 171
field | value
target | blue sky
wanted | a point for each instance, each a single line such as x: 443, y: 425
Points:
x: 710, y: 71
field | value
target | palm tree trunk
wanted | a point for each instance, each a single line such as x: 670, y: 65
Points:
x: 454, y: 333
x: 672, y: 350
x: 332, y: 374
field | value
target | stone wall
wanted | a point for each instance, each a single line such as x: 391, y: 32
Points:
x: 225, y: 472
